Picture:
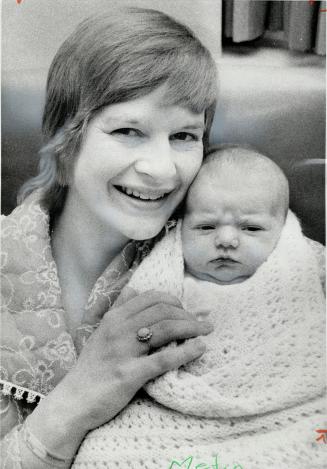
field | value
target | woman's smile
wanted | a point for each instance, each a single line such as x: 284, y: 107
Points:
x: 143, y: 193
x: 139, y: 199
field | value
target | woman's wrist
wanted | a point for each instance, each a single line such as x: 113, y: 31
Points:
x: 58, y: 424
x: 41, y: 452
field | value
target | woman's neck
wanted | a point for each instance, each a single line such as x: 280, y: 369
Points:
x: 82, y: 246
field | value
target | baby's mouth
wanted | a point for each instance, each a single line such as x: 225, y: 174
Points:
x: 143, y: 195
x: 224, y: 260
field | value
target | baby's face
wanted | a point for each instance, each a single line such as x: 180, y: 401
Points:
x: 230, y: 227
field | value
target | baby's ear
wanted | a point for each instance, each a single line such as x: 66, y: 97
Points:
x: 127, y: 294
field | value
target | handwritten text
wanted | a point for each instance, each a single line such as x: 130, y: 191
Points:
x: 188, y: 463
x: 323, y: 436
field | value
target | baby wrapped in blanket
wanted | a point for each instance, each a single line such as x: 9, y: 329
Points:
x: 239, y: 259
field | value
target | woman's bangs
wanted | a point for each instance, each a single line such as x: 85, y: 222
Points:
x: 192, y: 82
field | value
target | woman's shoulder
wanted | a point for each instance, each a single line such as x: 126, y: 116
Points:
x: 24, y: 236
x: 25, y: 217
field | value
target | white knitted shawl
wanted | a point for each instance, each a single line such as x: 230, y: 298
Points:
x: 254, y: 397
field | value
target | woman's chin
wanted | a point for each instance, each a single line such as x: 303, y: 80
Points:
x: 143, y: 231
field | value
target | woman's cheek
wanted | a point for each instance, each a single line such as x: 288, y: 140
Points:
x: 192, y: 165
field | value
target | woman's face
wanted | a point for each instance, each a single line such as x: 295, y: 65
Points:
x: 136, y: 163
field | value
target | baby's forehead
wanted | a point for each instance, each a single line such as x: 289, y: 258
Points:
x: 242, y: 179
x: 246, y: 166
x: 245, y: 199
x: 218, y: 185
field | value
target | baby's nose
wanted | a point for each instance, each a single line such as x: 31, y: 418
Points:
x: 227, y: 237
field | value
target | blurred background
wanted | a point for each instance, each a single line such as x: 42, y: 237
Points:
x: 271, y: 61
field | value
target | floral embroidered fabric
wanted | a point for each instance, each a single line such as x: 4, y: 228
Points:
x: 37, y: 346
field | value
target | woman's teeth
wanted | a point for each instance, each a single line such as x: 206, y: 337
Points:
x: 142, y: 195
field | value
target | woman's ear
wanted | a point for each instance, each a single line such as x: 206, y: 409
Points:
x: 65, y: 146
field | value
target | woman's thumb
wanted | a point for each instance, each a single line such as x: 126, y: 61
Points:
x: 127, y: 294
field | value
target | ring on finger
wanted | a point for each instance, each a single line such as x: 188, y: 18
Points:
x: 144, y: 334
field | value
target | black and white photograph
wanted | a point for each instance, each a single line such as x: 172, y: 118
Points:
x: 163, y: 234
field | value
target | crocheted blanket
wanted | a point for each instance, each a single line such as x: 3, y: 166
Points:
x: 265, y: 352
x: 254, y: 397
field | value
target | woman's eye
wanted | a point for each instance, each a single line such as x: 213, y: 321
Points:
x: 252, y: 228
x: 185, y: 137
x: 128, y: 132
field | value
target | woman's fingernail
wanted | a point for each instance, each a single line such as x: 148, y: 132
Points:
x: 207, y: 326
x: 201, y: 345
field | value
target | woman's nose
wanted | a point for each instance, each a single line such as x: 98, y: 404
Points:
x: 157, y: 161
x: 227, y: 237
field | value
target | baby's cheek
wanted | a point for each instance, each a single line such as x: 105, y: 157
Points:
x: 190, y: 248
x: 260, y: 251
x: 192, y: 252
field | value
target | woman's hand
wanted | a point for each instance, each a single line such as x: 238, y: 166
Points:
x: 114, y: 365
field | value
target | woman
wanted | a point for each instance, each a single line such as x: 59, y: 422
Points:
x: 130, y: 100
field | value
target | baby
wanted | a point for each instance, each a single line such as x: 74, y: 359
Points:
x: 239, y: 258
x: 235, y: 212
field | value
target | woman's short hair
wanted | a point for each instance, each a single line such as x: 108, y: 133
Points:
x: 112, y: 58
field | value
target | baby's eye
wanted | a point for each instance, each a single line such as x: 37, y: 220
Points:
x: 252, y: 228
x: 127, y: 131
x: 206, y: 227
x: 184, y: 137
